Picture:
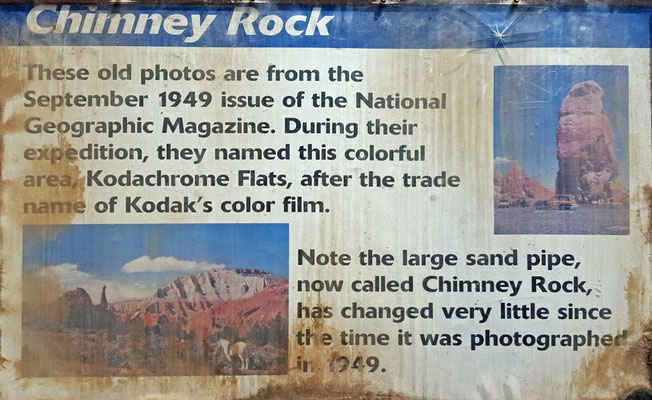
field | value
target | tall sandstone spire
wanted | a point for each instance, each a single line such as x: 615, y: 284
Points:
x: 587, y: 161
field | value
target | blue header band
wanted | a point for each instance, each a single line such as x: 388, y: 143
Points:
x: 389, y: 27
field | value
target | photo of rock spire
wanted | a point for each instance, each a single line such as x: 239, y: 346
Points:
x: 588, y: 168
x: 561, y: 150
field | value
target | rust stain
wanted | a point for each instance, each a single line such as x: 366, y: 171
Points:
x: 2, y: 360
x: 282, y: 392
x: 13, y: 124
x: 625, y: 370
x: 647, y: 192
x: 20, y: 193
x: 10, y: 86
x: 620, y: 369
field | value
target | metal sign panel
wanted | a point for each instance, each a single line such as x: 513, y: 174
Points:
x: 259, y: 201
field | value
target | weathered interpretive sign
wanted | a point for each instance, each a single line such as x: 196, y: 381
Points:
x: 272, y: 202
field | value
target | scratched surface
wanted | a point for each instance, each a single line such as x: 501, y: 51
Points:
x: 447, y: 221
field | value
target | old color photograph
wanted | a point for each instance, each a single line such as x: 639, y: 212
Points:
x: 561, y: 150
x: 137, y: 300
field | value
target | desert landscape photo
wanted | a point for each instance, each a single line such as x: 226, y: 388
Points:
x: 155, y: 300
x: 561, y: 150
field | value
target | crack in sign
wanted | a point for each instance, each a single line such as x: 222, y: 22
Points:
x: 499, y: 36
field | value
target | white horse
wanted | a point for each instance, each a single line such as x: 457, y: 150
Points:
x: 235, y: 349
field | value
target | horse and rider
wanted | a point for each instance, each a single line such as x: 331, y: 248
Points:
x: 234, y: 351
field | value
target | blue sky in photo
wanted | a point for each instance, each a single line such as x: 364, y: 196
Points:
x: 527, y: 100
x: 102, y: 250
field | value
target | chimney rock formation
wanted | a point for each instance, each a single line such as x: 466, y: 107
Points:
x: 585, y: 149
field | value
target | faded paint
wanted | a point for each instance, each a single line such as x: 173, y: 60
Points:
x: 627, y: 369
x: 620, y: 370
x: 11, y: 86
